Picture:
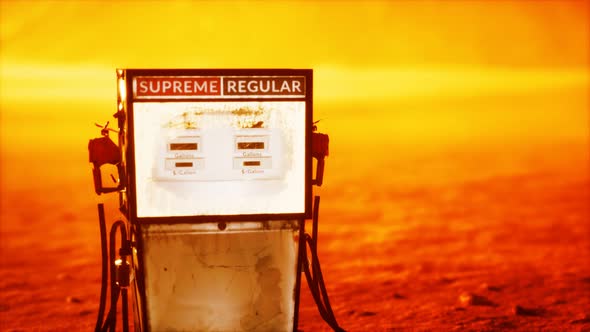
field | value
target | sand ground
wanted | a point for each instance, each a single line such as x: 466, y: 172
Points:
x: 466, y: 235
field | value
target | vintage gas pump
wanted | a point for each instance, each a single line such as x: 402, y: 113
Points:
x: 215, y: 177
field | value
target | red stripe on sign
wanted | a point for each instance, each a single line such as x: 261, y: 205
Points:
x: 177, y: 86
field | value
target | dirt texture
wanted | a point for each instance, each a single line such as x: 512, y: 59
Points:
x: 459, y: 241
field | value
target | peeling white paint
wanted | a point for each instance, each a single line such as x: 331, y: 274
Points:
x: 213, y: 180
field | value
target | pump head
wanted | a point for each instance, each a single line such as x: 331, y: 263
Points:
x: 103, y: 150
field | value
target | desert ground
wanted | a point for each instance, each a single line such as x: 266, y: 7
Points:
x: 457, y: 190
x: 480, y: 222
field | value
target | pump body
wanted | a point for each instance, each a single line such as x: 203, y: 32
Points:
x: 215, y: 185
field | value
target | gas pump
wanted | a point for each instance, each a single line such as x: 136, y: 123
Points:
x: 215, y: 176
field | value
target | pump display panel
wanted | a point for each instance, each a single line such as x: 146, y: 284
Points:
x: 220, y: 145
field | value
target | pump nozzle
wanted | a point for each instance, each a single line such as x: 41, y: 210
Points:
x: 103, y: 150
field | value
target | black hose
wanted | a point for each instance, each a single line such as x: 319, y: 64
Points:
x: 314, y: 225
x: 318, y: 289
x: 313, y: 287
x: 124, y: 304
x: 315, y: 278
x: 110, y: 323
x: 115, y: 289
x: 105, y: 267
x: 320, y: 279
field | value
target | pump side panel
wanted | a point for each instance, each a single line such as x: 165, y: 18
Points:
x: 199, y: 278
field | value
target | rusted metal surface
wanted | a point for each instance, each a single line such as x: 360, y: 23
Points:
x: 240, y: 276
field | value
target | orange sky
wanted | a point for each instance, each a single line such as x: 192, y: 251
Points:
x: 299, y: 34
x: 372, y: 49
x: 399, y: 71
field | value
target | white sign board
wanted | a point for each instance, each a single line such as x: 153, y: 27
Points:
x: 220, y: 145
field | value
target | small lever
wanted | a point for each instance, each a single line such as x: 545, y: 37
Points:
x: 104, y: 131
